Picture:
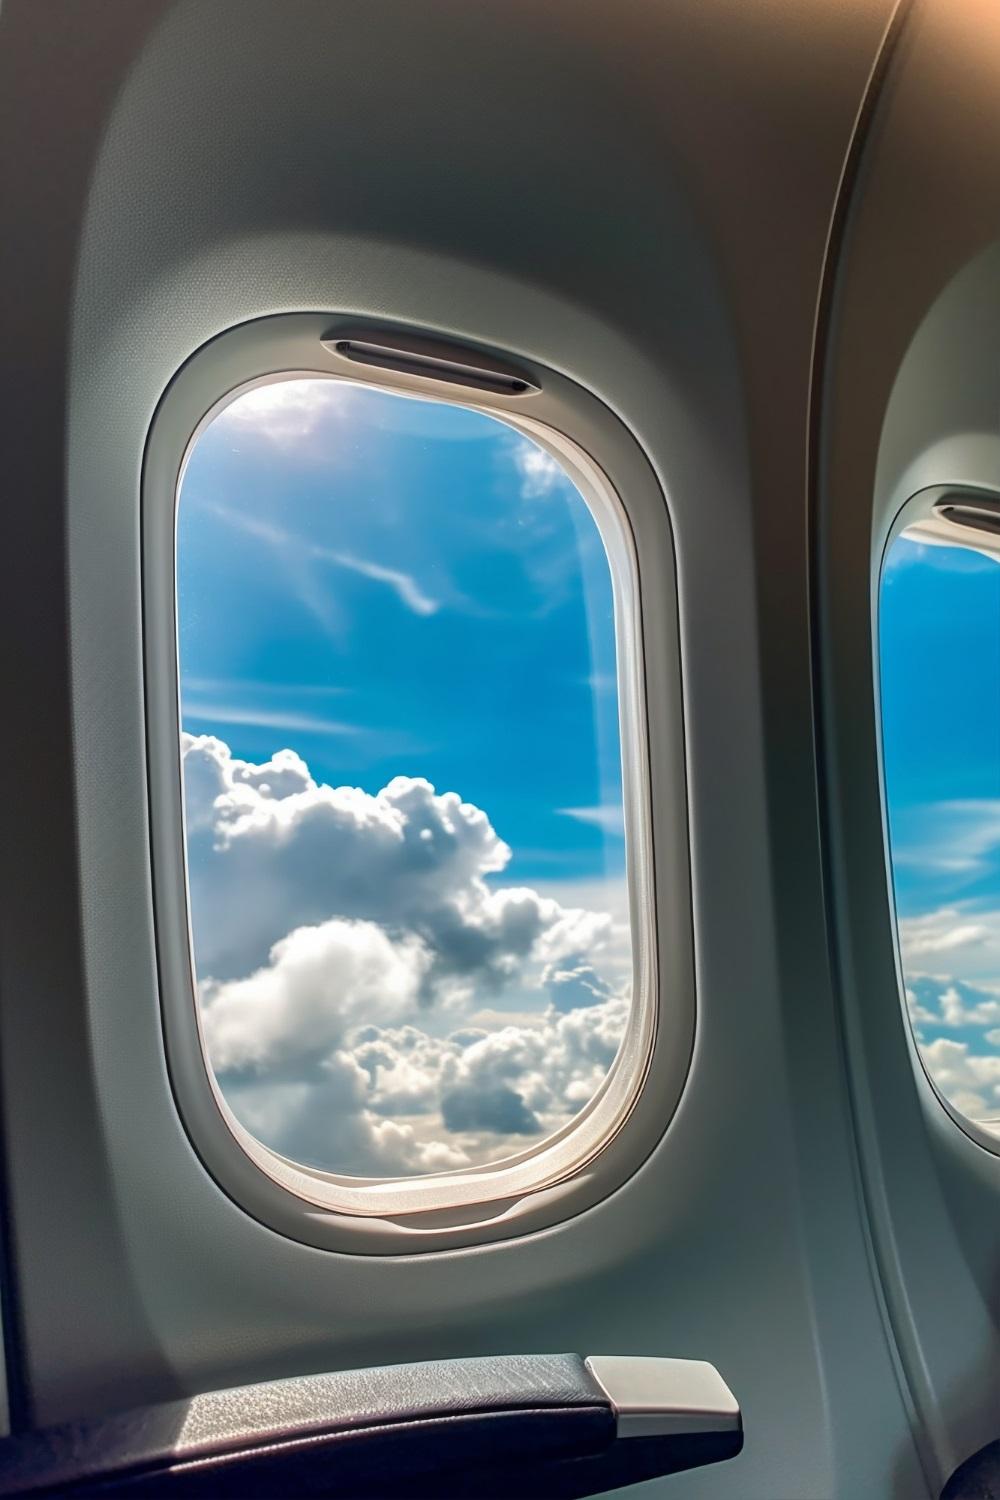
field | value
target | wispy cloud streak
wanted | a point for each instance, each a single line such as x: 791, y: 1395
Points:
x: 225, y: 713
x: 403, y: 585
x: 609, y: 817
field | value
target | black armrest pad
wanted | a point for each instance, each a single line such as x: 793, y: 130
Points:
x: 536, y: 1407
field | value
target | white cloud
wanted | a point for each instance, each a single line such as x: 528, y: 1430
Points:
x: 958, y: 837
x: 574, y: 988
x: 960, y: 941
x: 276, y: 538
x: 323, y: 1122
x: 319, y: 981
x: 955, y: 1011
x: 310, y: 1060
x: 968, y: 1081
x: 918, y: 1012
x: 940, y: 932
x: 952, y: 1003
x: 966, y: 1073
x: 289, y: 554
x: 284, y: 412
x: 265, y: 718
x: 539, y: 471
x: 608, y: 816
x: 346, y: 944
x: 278, y: 1043
x: 301, y: 555
x: 405, y: 587
x: 267, y: 855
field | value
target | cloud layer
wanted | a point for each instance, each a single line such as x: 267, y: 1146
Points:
x: 346, y: 946
x: 271, y: 850
x: 951, y: 963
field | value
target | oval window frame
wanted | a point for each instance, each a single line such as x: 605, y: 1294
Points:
x: 610, y: 1137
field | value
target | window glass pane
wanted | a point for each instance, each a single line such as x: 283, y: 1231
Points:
x: 940, y: 679
x: 403, y: 779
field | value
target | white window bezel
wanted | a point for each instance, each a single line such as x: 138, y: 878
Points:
x: 610, y: 1137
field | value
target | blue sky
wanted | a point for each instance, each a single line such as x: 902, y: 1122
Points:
x: 403, y: 778
x: 397, y: 585
x: 940, y: 685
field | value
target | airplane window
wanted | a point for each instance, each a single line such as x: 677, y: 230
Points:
x: 403, y: 779
x: 940, y: 688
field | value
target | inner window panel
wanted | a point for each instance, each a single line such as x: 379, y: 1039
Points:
x: 402, y: 763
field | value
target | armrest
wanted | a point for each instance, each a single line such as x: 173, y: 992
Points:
x: 551, y: 1424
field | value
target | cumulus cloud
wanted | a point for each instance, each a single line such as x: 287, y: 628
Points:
x: 278, y: 1041
x: 270, y: 849
x: 952, y: 1004
x: 940, y: 932
x: 345, y: 943
x: 950, y: 1018
x: 322, y: 1121
x: 318, y: 983
x: 309, y: 1057
x: 571, y: 988
x: 969, y: 1081
x: 499, y: 1109
x: 962, y: 940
